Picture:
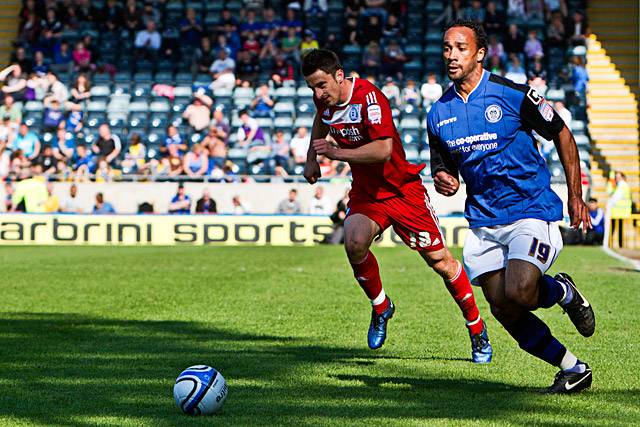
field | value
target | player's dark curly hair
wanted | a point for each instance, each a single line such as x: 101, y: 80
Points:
x: 478, y: 31
x: 320, y: 59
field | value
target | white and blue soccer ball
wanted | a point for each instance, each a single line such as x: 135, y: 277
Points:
x: 200, y: 390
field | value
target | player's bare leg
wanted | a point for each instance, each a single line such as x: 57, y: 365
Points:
x: 512, y: 293
x: 359, y: 232
x: 458, y: 285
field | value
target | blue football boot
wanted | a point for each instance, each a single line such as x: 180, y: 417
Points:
x: 481, y: 350
x: 378, y: 327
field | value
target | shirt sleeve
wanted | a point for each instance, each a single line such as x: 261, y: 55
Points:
x: 377, y: 116
x: 441, y: 159
x: 537, y: 114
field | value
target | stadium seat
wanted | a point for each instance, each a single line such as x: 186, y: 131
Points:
x: 305, y: 92
x: 100, y: 92
x: 284, y: 123
x: 139, y: 106
x: 409, y: 123
x: 31, y: 106
x: 304, y: 121
x: 160, y: 106
x: 285, y: 94
x: 97, y: 106
x: 265, y: 123
x: 284, y: 109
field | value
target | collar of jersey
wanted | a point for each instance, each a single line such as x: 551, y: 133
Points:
x: 353, y: 79
x: 484, y: 72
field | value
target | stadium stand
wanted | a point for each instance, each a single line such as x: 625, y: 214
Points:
x: 143, y: 76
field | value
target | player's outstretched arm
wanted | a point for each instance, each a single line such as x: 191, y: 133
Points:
x: 378, y: 151
x: 312, y: 168
x: 568, y: 152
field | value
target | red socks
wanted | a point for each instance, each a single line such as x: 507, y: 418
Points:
x: 460, y: 289
x: 367, y: 274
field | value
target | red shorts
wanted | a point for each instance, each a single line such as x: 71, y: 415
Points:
x: 410, y: 214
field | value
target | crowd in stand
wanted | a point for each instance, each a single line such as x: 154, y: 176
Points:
x: 256, y: 47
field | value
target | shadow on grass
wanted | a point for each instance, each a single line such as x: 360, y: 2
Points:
x: 64, y: 369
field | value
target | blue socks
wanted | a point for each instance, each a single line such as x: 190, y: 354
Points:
x: 534, y: 337
x: 551, y: 291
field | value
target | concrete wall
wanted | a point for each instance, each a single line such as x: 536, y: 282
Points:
x: 262, y: 198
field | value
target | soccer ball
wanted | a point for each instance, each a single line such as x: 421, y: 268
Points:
x: 200, y: 390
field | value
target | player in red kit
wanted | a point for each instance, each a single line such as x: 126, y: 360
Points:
x: 353, y: 124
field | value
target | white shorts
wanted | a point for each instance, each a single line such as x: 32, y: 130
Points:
x: 489, y: 248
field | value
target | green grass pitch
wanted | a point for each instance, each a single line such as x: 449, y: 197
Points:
x: 95, y: 336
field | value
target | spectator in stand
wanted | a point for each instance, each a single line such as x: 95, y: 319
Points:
x: 198, y: 113
x: 538, y: 77
x: 74, y: 119
x: 451, y: 12
x: 262, y: 104
x: 136, y: 156
x: 514, y: 42
x: 5, y: 160
x: 71, y: 204
x: 281, y: 154
x: 290, y: 205
x: 191, y: 28
x: 215, y: 144
x: 203, y: 57
x: 196, y: 161
x: 515, y: 72
x: 7, y: 129
x: 535, y: 10
x: 20, y: 165
x: 14, y: 82
x: 40, y: 67
x: 372, y: 58
x: 173, y: 143
x: 252, y: 45
x: 247, y: 67
x: 108, y: 145
x: 20, y: 58
x: 227, y: 22
x: 251, y: 136
x: 132, y: 17
x: 102, y: 207
x: 27, y: 141
x: 30, y: 31
x: 309, y: 41
x: 496, y: 49
x: 221, y: 125
x: 84, y: 162
x: 351, y: 31
x: 299, y: 146
x: 290, y: 45
x: 315, y: 8
x: 249, y: 24
x: 82, y: 58
x: 206, y: 204
x: 181, y: 202
x: 556, y: 34
x: 222, y: 70
x: 393, y: 60
x: 80, y: 92
x: 577, y: 28
x: 270, y: 45
x: 291, y: 19
x: 112, y: 16
x: 516, y: 10
x: 55, y: 88
x: 148, y: 43
x: 283, y: 69
x: 393, y: 29
x: 10, y: 109
x: 52, y: 116
x: 46, y: 161
x: 392, y: 92
x: 150, y: 13
x: 62, y: 58
x: 595, y: 235
x: 320, y: 203
x: 493, y: 20
x: 475, y: 12
x: 86, y: 12
x: 533, y: 47
x: 410, y: 94
x: 371, y: 29
x: 239, y: 207
x: 52, y: 205
x: 579, y: 76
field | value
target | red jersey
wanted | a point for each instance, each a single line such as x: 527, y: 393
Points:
x: 364, y: 118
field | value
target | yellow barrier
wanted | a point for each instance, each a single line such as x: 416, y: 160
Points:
x: 625, y: 233
x: 276, y: 230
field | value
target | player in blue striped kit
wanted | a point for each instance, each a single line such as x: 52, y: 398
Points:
x: 481, y: 128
